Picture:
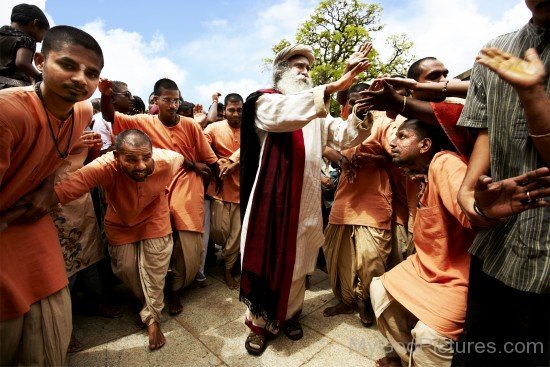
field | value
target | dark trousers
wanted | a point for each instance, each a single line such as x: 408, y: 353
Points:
x: 504, y: 326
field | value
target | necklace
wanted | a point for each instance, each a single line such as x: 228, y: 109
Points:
x: 60, y: 154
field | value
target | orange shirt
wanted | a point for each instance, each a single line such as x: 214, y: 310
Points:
x: 225, y: 141
x: 433, y: 282
x: 187, y: 190
x: 31, y: 264
x: 137, y: 210
x: 367, y: 201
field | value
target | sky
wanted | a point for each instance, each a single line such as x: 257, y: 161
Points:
x: 209, y: 46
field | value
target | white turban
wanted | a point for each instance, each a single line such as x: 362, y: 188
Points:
x: 293, y: 50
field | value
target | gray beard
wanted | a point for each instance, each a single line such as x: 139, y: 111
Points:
x: 290, y: 83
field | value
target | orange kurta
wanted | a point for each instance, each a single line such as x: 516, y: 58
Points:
x: 433, y: 282
x: 225, y: 140
x: 367, y: 201
x: 31, y: 264
x: 137, y: 210
x: 187, y: 190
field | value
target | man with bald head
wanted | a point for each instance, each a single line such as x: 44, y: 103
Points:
x: 134, y: 178
x: 283, y: 133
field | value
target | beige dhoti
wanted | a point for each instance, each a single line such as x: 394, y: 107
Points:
x: 142, y: 266
x: 186, y: 258
x: 295, y: 303
x: 413, y: 341
x: 225, y: 229
x: 41, y: 336
x: 354, y: 255
x: 399, y: 243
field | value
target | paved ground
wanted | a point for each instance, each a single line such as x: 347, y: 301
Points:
x: 210, y: 332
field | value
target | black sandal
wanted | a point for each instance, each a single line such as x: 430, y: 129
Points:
x: 293, y: 330
x: 253, y: 340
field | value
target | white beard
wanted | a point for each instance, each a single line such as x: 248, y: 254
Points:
x: 292, y: 83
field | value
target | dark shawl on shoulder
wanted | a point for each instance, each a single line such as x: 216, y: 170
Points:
x: 270, y: 244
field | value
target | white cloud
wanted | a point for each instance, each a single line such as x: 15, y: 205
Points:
x: 453, y: 32
x: 129, y: 58
x: 243, y: 86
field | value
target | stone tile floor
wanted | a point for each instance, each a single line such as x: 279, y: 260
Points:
x: 210, y: 332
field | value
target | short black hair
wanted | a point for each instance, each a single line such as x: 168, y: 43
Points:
x: 414, y: 70
x: 232, y: 97
x: 61, y: 35
x: 166, y: 84
x: 25, y: 14
x: 96, y: 104
x: 139, y: 105
x: 359, y: 87
x: 133, y: 137
x: 117, y: 85
x: 434, y: 133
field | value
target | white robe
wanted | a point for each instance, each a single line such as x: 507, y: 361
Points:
x: 308, y: 111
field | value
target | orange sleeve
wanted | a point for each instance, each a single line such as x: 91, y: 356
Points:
x: 124, y: 122
x: 205, y: 152
x: 448, y: 174
x: 209, y: 134
x: 97, y: 172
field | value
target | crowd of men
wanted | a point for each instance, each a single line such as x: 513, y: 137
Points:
x: 427, y: 197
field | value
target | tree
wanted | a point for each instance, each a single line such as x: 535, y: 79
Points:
x: 334, y: 31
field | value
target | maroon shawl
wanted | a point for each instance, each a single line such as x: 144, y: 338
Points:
x: 270, y: 245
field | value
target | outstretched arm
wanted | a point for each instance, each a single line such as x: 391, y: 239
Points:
x: 527, y: 77
x: 107, y: 109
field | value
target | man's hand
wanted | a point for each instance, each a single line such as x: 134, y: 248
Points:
x: 227, y: 168
x: 382, y: 97
x: 522, y: 74
x: 88, y: 140
x: 203, y: 170
x: 105, y: 86
x: 513, y: 195
x: 198, y: 114
x: 359, y: 55
x: 215, y: 97
x: 347, y: 79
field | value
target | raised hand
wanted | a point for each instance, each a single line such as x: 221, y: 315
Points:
x: 347, y: 79
x: 105, y: 86
x: 381, y: 99
x: 88, y: 140
x: 519, y: 73
x: 359, y: 55
x: 198, y: 114
x: 513, y: 195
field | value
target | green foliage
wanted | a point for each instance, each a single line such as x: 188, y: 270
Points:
x: 335, y: 30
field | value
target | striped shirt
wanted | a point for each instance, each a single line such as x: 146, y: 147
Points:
x: 515, y: 252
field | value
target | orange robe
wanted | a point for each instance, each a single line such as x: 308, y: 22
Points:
x: 187, y: 190
x: 137, y: 211
x: 225, y: 141
x: 31, y: 264
x: 433, y: 283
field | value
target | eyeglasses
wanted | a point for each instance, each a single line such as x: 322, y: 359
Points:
x: 170, y: 100
x: 127, y: 93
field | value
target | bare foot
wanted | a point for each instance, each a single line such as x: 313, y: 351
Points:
x: 340, y: 308
x: 231, y: 282
x: 110, y: 312
x: 156, y: 337
x: 365, y: 313
x: 389, y: 362
x: 174, y: 303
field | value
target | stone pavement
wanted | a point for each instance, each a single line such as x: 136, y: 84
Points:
x: 210, y: 332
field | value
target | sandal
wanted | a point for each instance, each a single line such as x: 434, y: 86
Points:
x: 293, y: 330
x: 255, y: 344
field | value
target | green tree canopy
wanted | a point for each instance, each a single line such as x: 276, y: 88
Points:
x: 335, y: 30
